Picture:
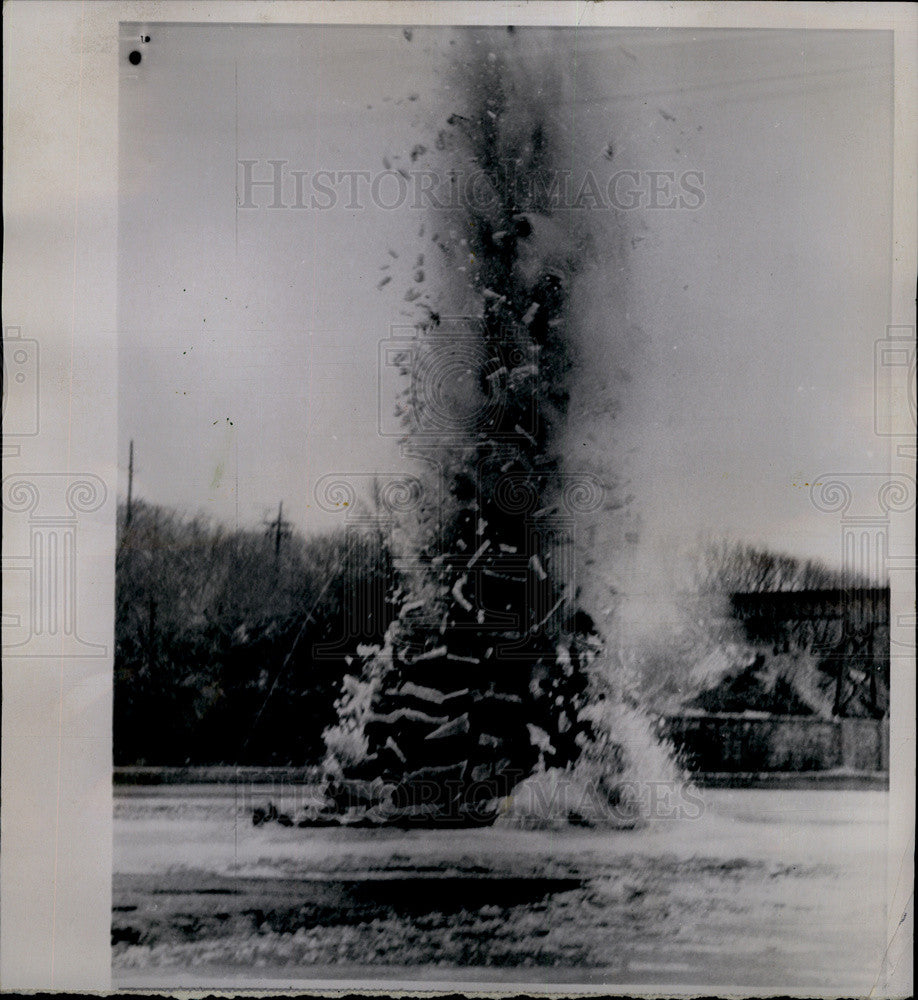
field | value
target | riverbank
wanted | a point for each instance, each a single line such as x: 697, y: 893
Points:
x: 837, y: 778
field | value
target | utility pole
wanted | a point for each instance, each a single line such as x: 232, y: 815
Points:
x: 151, y: 636
x: 280, y: 529
x: 127, y: 518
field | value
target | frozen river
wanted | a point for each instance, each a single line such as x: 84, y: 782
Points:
x: 778, y: 891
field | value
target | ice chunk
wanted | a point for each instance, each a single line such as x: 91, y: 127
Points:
x: 478, y: 552
x: 459, y: 597
x: 452, y: 728
x: 539, y: 738
x: 432, y: 654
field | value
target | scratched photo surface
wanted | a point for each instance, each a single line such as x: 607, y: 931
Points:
x: 505, y: 508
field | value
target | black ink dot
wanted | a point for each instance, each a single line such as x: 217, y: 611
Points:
x: 145, y: 38
x: 134, y: 58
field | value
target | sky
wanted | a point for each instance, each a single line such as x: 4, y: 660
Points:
x: 249, y: 338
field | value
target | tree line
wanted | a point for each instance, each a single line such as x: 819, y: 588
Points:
x: 230, y: 649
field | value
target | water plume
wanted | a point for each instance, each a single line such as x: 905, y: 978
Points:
x: 500, y: 660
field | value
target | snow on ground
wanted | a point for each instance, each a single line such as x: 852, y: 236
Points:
x: 781, y: 890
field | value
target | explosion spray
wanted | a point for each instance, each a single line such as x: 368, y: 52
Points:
x: 495, y: 665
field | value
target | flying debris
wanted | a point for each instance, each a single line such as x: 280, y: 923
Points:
x: 393, y: 746
x: 520, y: 277
x: 385, y: 281
x: 610, y: 151
x: 408, y: 33
x: 540, y: 739
x: 459, y: 596
x: 666, y: 115
x: 452, y: 728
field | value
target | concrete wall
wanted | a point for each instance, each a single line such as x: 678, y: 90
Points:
x: 724, y: 743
